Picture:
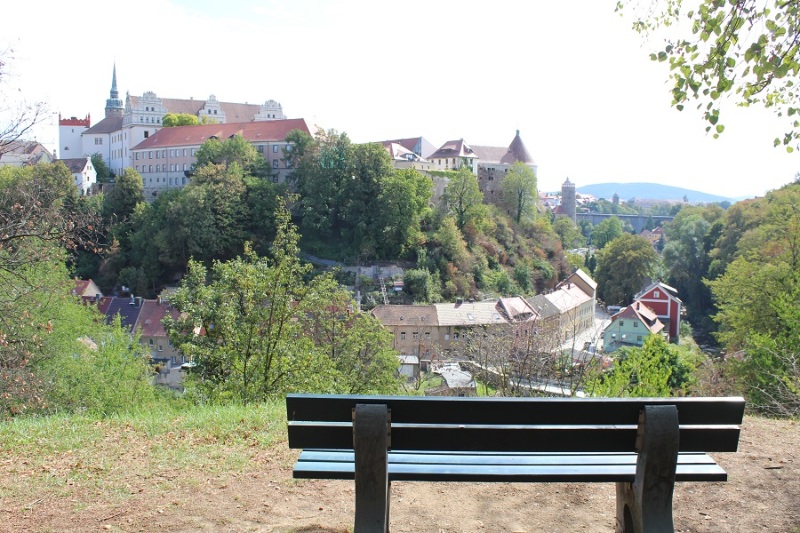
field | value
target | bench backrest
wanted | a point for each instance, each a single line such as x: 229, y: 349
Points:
x: 512, y: 424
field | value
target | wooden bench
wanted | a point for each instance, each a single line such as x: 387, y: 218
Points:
x: 644, y: 445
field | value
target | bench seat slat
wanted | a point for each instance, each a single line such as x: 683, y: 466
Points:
x: 505, y: 473
x: 321, y: 456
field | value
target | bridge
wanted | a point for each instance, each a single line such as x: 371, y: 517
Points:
x: 637, y: 221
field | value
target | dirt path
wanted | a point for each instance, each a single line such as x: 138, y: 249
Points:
x: 763, y: 494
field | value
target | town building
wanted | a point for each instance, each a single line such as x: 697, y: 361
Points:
x: 437, y: 331
x: 630, y: 326
x: 165, y: 158
x: 130, y: 121
x: 23, y: 153
x: 494, y: 162
x: 83, y: 173
x: 453, y: 155
x: 664, y: 302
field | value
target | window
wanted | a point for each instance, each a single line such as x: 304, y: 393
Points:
x: 151, y: 342
x: 184, y: 152
x: 416, y: 335
x: 657, y: 294
x: 639, y: 338
x: 146, y: 134
x: 621, y: 323
x: 164, y: 153
x: 636, y: 324
x: 402, y: 335
x: 158, y: 168
x: 260, y: 148
x: 274, y: 163
x: 274, y: 148
x: 215, y: 111
x: 150, y: 167
x: 149, y: 155
x: 160, y: 348
x: 185, y: 167
x: 98, y: 140
x: 193, y: 151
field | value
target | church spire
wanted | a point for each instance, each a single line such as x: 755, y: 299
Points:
x: 114, y: 106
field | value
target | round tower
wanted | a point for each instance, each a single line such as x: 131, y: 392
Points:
x: 568, y: 199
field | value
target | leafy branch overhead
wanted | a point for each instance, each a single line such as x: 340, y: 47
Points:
x: 748, y: 50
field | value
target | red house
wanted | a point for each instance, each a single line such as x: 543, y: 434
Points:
x: 664, y: 301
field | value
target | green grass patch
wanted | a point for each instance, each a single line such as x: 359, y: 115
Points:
x: 114, y: 455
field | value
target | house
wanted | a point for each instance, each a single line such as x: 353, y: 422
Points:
x: 453, y: 155
x: 414, y: 328
x: 494, y: 162
x: 83, y: 172
x: 128, y: 309
x: 87, y: 290
x: 152, y: 334
x: 631, y: 325
x: 402, y: 157
x: 165, y: 158
x: 664, y: 301
x: 418, y: 146
x: 130, y: 121
x: 20, y: 153
x: 575, y: 299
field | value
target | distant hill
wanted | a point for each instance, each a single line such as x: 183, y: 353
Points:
x: 650, y: 191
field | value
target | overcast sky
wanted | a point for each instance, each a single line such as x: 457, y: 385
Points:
x: 575, y: 81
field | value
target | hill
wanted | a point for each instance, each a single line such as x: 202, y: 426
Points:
x: 229, y: 469
x: 650, y: 191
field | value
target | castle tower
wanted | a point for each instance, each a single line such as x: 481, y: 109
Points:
x: 114, y: 104
x: 568, y: 199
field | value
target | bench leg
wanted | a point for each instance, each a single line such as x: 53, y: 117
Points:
x: 645, y: 506
x: 371, y: 444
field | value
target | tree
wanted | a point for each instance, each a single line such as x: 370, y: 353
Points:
x: 171, y: 120
x: 402, y: 205
x: 462, y: 197
x: 103, y: 172
x: 519, y: 190
x: 606, y: 231
x: 120, y: 202
x: 42, y: 221
x: 18, y: 117
x: 766, y: 256
x: 240, y: 328
x: 686, y: 256
x: 743, y: 49
x: 656, y: 369
x: 624, y: 266
x: 568, y: 233
x: 233, y: 150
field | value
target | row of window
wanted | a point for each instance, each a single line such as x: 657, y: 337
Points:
x: 175, y: 152
x: 159, y: 168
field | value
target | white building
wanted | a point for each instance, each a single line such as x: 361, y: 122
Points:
x: 129, y: 122
x: 83, y: 172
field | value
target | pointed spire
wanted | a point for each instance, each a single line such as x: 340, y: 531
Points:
x: 114, y: 91
x: 114, y: 106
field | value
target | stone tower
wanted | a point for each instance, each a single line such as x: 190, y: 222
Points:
x: 114, y: 104
x: 568, y: 199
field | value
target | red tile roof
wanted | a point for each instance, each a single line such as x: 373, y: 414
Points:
x: 151, y: 315
x: 272, y: 130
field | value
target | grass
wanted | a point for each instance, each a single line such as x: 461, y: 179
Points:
x: 57, y: 451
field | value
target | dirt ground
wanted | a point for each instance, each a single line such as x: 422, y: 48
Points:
x: 762, y: 494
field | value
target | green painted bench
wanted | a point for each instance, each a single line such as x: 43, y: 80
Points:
x: 644, y: 445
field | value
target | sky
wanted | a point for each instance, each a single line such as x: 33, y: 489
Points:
x: 573, y: 78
